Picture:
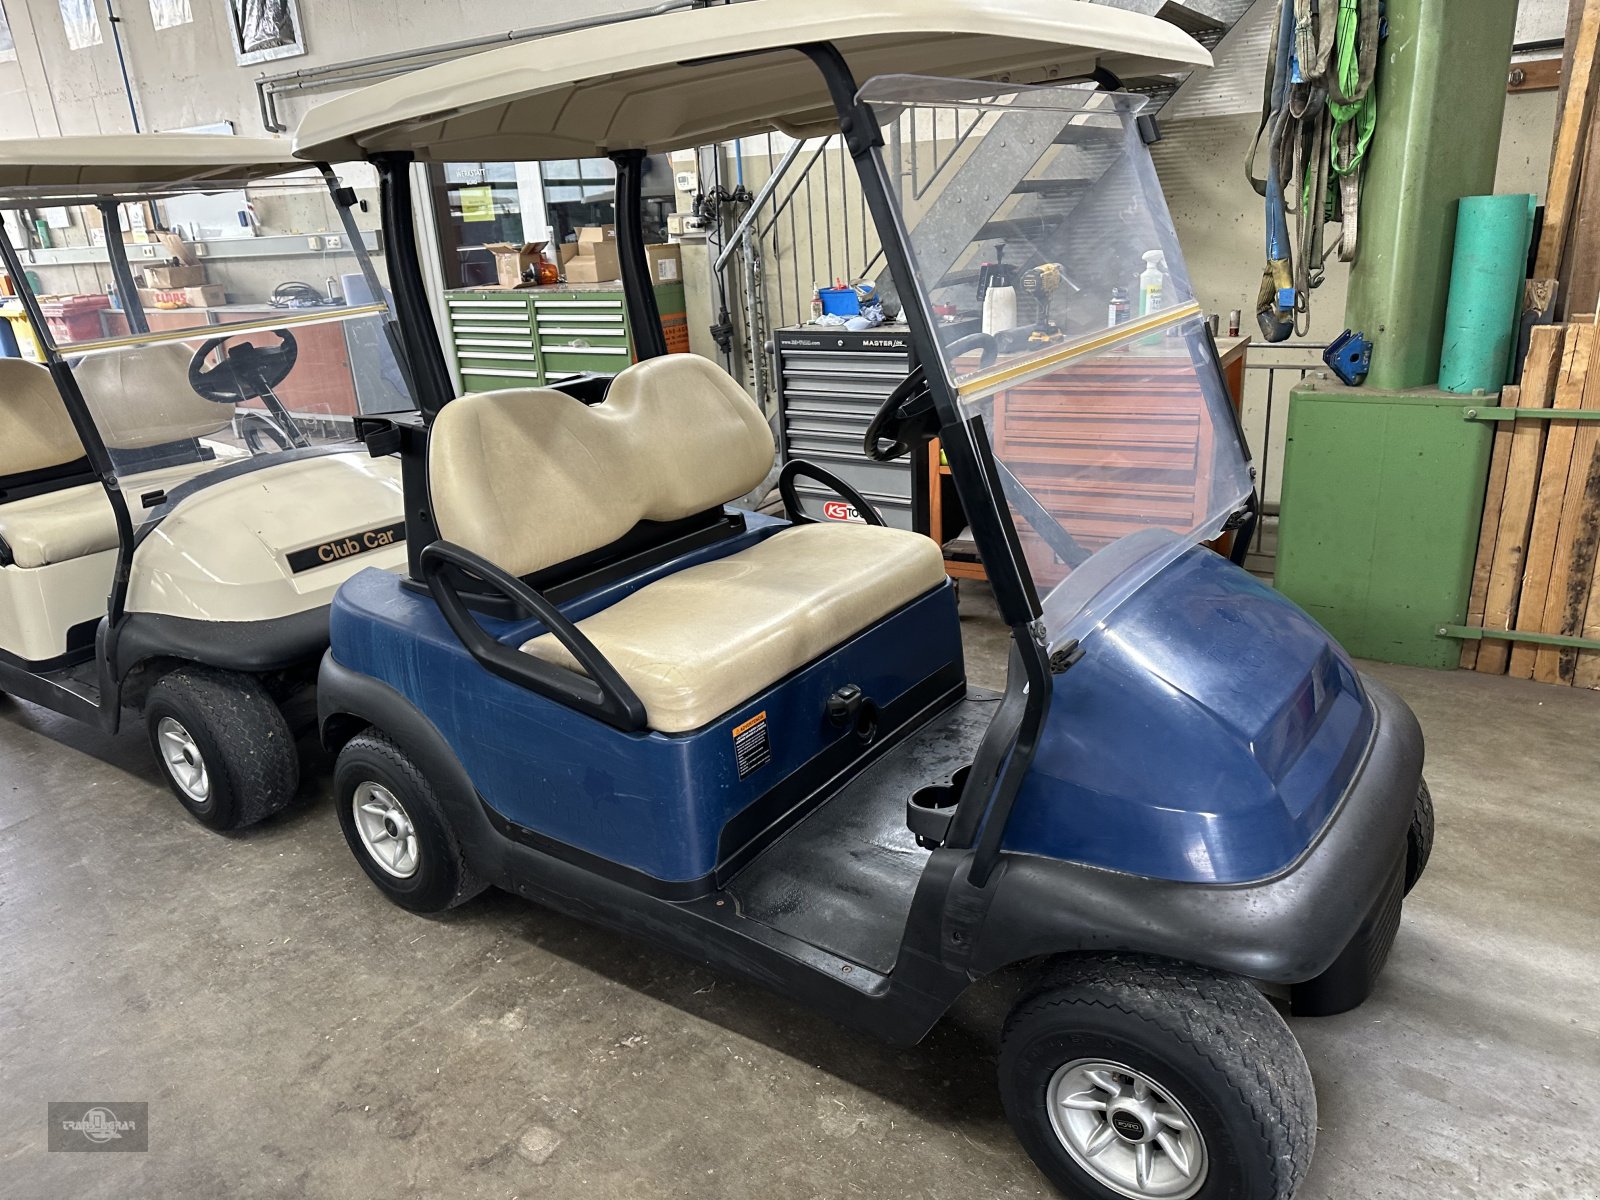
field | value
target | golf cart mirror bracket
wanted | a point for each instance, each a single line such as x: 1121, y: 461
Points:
x: 599, y: 691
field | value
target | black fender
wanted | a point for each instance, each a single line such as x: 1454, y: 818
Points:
x: 349, y: 701
x: 254, y: 647
x: 1283, y: 930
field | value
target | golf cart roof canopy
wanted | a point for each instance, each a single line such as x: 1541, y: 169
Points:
x: 146, y: 165
x: 696, y: 76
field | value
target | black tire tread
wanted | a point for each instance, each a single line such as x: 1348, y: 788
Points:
x: 381, y: 746
x: 1226, y: 1020
x: 1419, y: 838
x: 259, y: 761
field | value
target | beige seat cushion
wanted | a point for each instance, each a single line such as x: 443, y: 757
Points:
x: 35, y: 430
x: 56, y: 526
x: 72, y: 522
x: 700, y: 642
x: 530, y: 478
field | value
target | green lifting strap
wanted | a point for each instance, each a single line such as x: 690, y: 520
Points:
x: 1318, y: 123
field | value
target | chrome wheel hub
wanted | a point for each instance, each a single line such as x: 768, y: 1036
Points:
x: 1126, y: 1131
x: 182, y: 758
x: 385, y: 830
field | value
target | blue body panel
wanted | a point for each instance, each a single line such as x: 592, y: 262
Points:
x: 653, y: 802
x: 1206, y: 736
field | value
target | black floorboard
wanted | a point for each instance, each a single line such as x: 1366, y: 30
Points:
x: 843, y: 878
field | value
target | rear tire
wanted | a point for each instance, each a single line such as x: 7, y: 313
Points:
x: 223, y: 745
x: 1419, y: 838
x: 1131, y: 1077
x: 397, y: 829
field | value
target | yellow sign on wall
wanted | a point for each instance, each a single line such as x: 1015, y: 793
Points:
x: 477, y: 204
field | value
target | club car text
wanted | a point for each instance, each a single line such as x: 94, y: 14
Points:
x: 338, y: 549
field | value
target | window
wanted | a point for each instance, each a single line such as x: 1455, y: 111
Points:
x: 8, y: 46
x: 82, y: 23
x: 479, y: 204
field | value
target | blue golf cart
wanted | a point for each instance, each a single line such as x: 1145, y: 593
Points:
x: 605, y: 686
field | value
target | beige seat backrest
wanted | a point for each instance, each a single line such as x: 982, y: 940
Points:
x: 140, y: 397
x: 530, y: 478
x: 35, y: 430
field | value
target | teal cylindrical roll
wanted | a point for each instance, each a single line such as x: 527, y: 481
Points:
x: 1486, y: 276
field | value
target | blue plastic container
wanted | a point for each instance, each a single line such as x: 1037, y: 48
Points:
x: 841, y: 302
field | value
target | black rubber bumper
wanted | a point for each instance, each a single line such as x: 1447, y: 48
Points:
x: 252, y: 646
x: 1285, y: 930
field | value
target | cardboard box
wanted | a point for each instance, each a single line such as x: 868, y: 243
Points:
x: 209, y: 295
x: 173, y: 246
x: 666, y: 263
x: 593, y: 235
x: 568, y: 251
x: 512, y: 260
x: 597, y: 262
x: 164, y: 278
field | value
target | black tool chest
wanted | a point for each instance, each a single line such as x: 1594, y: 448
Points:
x: 831, y: 381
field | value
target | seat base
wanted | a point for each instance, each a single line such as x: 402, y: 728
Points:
x: 666, y: 810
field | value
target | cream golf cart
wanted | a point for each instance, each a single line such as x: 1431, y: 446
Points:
x: 180, y: 492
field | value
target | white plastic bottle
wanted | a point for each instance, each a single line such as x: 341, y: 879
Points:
x: 1152, y: 283
x: 999, y: 309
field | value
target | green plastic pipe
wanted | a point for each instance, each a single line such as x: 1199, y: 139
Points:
x: 1486, y: 272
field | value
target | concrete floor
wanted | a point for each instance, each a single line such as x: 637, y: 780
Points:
x: 296, y: 1035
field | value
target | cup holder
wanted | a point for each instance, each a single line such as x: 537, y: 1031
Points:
x: 930, y: 809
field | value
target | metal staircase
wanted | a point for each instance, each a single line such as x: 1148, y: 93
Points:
x: 808, y: 224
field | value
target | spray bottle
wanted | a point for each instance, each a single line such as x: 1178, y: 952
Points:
x: 1152, y: 283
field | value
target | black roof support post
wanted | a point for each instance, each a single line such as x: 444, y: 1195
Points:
x: 429, y: 372
x: 121, y: 273
x: 1012, y: 736
x: 420, y: 350
x: 644, y: 317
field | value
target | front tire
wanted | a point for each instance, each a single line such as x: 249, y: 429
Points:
x: 1419, y: 838
x: 224, y: 747
x: 397, y: 829
x: 1131, y: 1078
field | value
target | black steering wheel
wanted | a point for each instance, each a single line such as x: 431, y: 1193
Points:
x: 906, y: 416
x: 243, y: 372
x: 249, y: 372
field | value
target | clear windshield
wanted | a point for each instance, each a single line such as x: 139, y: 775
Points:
x: 264, y: 327
x: 172, y: 409
x: 1042, y: 246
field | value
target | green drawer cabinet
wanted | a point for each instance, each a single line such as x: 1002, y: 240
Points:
x: 493, y: 333
x: 537, y: 336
